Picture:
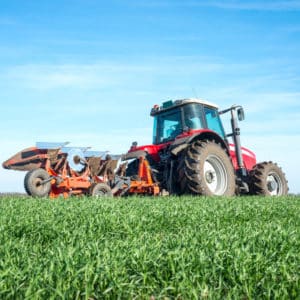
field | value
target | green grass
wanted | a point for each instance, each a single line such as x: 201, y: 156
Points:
x: 150, y: 248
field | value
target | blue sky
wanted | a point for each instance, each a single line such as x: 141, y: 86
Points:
x: 89, y: 71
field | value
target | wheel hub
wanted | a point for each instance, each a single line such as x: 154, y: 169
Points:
x: 209, y: 176
x: 38, y: 183
x: 274, y: 184
x: 215, y: 175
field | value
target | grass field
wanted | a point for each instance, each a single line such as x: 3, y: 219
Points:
x: 150, y: 248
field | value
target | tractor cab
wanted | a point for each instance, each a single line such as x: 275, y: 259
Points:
x: 175, y: 118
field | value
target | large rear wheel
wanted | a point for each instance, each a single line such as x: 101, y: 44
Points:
x: 268, y: 179
x: 206, y: 169
x: 37, y: 183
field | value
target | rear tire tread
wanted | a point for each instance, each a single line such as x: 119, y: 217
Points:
x: 190, y: 168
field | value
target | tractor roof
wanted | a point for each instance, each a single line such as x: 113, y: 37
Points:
x: 195, y: 100
x: 171, y: 104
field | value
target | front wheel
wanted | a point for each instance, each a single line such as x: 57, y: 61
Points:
x: 206, y: 169
x: 267, y: 179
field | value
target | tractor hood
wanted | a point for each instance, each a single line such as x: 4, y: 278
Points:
x: 249, y: 158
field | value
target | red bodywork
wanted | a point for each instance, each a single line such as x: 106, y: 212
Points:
x: 249, y: 157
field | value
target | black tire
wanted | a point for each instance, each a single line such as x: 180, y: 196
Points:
x: 33, y: 183
x: 205, y: 168
x: 28, y: 174
x: 268, y: 179
x: 100, y: 190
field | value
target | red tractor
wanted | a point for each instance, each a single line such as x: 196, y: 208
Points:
x: 191, y: 153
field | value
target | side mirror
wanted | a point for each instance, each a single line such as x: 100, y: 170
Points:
x: 240, y: 114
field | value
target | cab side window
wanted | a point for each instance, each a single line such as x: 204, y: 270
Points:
x: 213, y: 121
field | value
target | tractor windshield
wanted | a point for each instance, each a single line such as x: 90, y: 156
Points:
x: 193, y: 113
x: 196, y: 115
x: 167, y: 126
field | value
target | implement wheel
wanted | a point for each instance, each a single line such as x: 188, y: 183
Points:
x: 206, y: 169
x: 100, y: 190
x: 37, y: 183
x: 267, y: 179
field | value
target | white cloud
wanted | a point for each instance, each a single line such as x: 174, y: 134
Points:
x: 103, y: 74
x: 46, y: 77
x: 270, y: 102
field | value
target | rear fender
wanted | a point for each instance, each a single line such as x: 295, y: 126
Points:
x: 180, y: 144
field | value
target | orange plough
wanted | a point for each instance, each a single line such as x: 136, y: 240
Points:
x: 56, y: 170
